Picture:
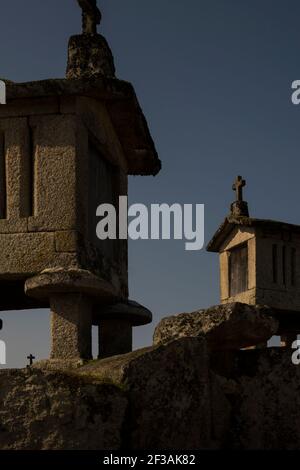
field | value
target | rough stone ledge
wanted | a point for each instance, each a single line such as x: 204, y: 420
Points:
x: 57, y: 280
x: 168, y: 388
x: 227, y: 326
x: 128, y: 310
x: 161, y: 397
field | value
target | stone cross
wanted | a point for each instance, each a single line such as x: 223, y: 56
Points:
x: 30, y: 358
x: 91, y: 16
x: 238, y: 186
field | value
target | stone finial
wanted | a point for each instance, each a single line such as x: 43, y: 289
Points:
x: 91, y: 16
x: 89, y: 54
x: 238, y: 186
x: 240, y: 207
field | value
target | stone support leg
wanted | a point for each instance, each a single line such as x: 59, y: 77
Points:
x: 71, y: 326
x: 115, y: 337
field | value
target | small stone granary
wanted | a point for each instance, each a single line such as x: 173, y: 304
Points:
x: 259, y: 262
x: 66, y: 146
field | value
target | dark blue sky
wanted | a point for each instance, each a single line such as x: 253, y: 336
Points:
x: 213, y: 78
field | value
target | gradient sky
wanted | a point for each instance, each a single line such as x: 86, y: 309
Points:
x: 214, y: 80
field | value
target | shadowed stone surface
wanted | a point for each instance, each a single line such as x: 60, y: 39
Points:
x: 115, y: 337
x: 158, y: 398
x: 168, y: 392
x: 265, y: 400
x: 89, y: 55
x: 52, y: 410
x: 228, y: 326
x: 162, y: 397
x: 115, y: 326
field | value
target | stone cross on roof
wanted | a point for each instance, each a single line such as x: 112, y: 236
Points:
x: 238, y: 186
x: 91, y: 16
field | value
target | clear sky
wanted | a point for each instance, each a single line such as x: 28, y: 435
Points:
x: 214, y: 80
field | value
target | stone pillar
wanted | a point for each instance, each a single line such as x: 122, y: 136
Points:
x: 89, y: 55
x: 115, y: 337
x: 115, y: 324
x: 71, y: 326
x: 239, y: 209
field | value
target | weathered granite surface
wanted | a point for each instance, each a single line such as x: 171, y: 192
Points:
x: 62, y: 95
x: 89, y: 55
x: 153, y: 398
x: 265, y: 400
x: 55, y: 410
x: 168, y: 388
x: 172, y: 396
x: 228, y: 326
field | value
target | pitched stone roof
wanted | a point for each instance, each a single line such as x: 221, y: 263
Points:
x: 232, y: 222
x: 123, y: 107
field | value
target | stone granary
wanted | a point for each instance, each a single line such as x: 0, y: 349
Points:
x: 66, y: 146
x: 259, y: 262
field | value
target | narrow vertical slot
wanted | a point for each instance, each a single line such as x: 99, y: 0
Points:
x: 284, y: 265
x: 31, y: 185
x: 293, y: 266
x: 275, y: 264
x: 3, y: 188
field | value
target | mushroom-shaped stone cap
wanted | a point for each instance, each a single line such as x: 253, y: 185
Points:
x: 59, y: 280
x: 127, y: 310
